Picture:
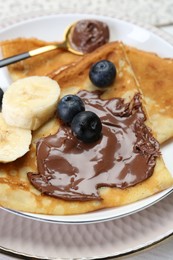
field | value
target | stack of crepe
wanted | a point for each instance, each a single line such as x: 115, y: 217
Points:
x: 136, y: 71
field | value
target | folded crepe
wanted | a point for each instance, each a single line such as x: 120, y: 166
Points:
x: 155, y: 76
x: 38, y: 65
x: 16, y: 192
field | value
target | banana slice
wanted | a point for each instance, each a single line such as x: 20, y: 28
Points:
x: 30, y: 102
x: 14, y: 141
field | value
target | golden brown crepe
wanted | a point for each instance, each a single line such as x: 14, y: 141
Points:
x: 39, y: 65
x: 155, y: 76
x: 17, y: 193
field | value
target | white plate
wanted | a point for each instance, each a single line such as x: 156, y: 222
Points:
x: 51, y: 28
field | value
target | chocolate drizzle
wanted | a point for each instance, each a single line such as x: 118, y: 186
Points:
x: 124, y: 156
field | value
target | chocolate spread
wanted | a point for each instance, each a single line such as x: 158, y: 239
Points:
x: 124, y: 156
x: 88, y: 35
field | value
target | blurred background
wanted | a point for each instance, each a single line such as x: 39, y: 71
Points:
x: 158, y: 13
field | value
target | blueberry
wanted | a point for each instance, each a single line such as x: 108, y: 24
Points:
x: 86, y: 126
x: 68, y: 107
x: 102, y: 73
x: 1, y: 96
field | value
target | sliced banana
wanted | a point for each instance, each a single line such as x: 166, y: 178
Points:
x: 28, y: 103
x: 14, y: 141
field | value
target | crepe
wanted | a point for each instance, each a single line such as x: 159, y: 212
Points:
x: 155, y: 76
x: 38, y: 65
x: 17, y: 193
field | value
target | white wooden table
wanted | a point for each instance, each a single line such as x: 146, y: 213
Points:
x: 158, y: 13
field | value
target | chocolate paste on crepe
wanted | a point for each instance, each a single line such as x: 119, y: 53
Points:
x: 154, y: 73
x: 124, y: 156
x: 16, y: 190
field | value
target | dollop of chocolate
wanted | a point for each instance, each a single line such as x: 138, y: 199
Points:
x: 124, y: 156
x: 88, y: 35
